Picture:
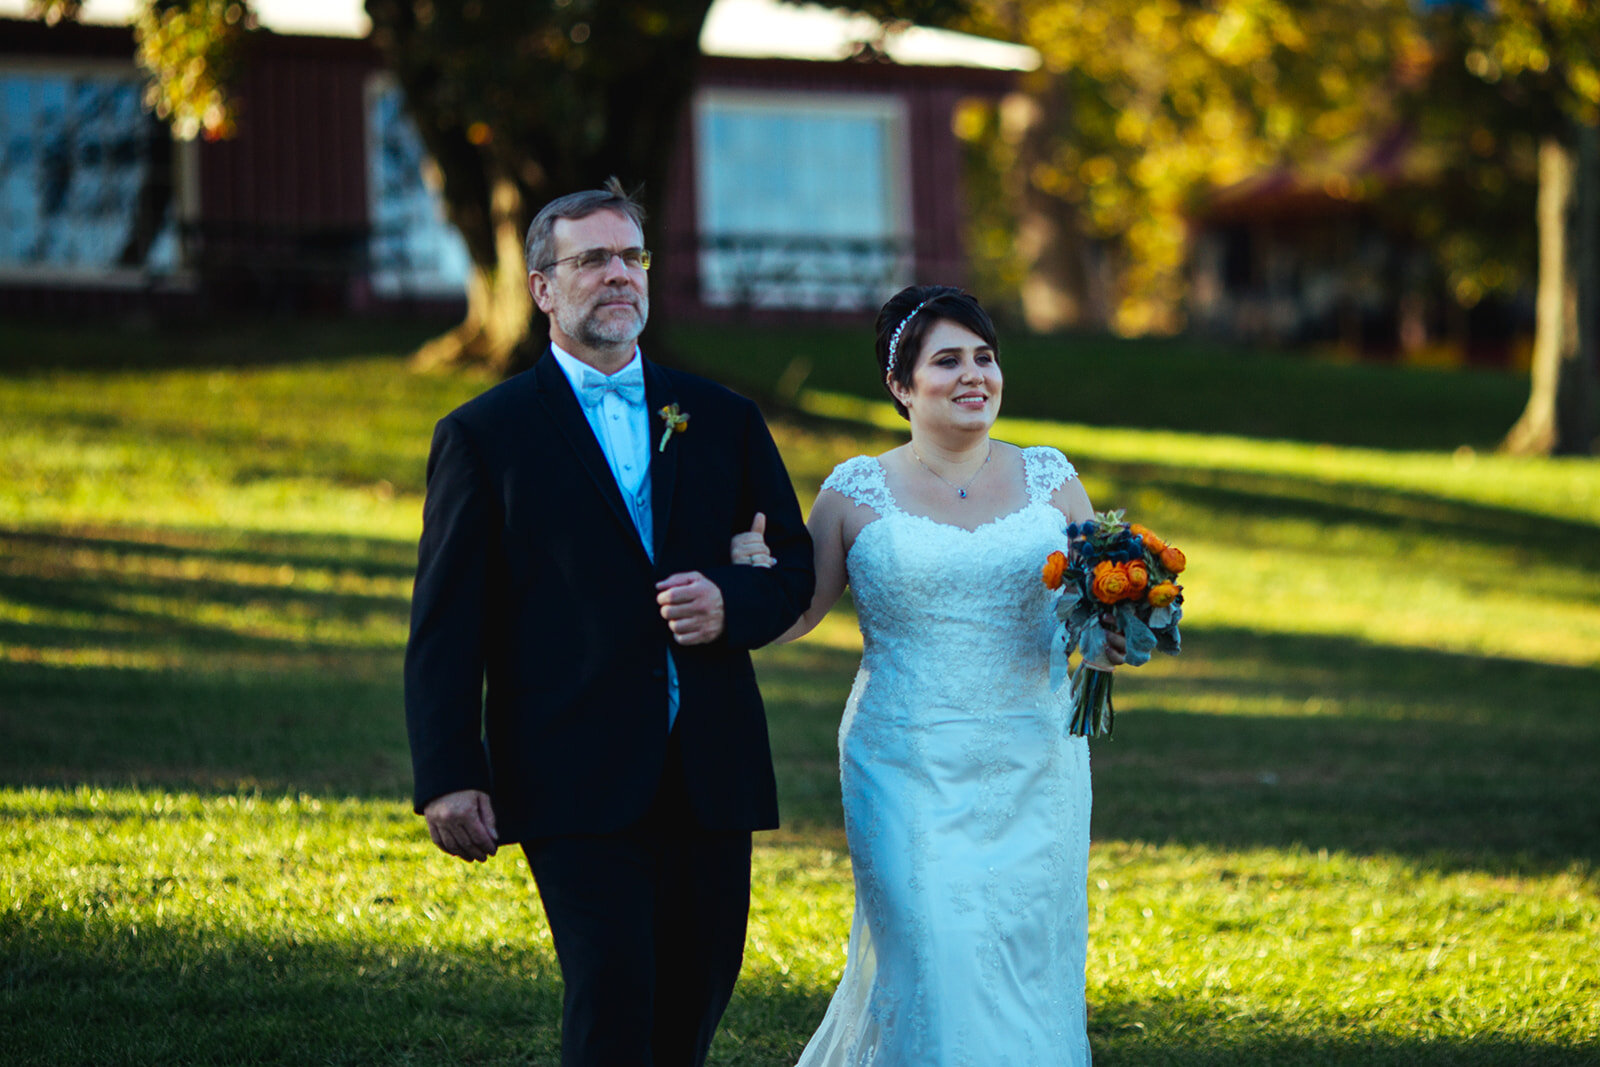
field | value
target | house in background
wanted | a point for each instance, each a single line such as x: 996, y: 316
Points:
x: 803, y: 182
x: 1297, y: 258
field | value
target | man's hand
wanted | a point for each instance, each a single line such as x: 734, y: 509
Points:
x: 462, y: 823
x: 693, y: 607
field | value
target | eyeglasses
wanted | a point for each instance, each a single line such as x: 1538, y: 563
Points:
x: 598, y: 259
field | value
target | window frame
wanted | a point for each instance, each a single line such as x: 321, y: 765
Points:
x: 184, y: 168
x: 890, y: 110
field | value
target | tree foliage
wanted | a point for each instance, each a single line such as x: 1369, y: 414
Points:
x: 519, y: 102
x: 1159, y: 101
x: 189, y: 50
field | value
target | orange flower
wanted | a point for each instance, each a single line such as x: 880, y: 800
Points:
x: 1173, y: 559
x: 1152, y: 543
x: 1110, y: 582
x: 1055, y: 569
x: 1164, y: 593
x: 1138, y: 578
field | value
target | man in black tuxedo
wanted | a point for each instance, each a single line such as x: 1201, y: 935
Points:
x: 578, y: 675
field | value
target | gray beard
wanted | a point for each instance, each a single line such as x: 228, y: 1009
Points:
x: 584, y: 327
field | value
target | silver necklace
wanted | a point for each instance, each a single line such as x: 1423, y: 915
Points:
x: 961, y: 490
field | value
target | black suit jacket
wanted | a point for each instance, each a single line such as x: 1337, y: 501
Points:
x: 536, y: 666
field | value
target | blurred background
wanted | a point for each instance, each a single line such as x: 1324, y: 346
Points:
x: 1393, y: 180
x: 1309, y: 288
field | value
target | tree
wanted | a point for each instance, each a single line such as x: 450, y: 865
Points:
x: 1543, y: 56
x: 1152, y: 103
x: 519, y: 102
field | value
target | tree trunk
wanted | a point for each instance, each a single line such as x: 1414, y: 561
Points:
x: 518, y: 103
x: 1056, y: 290
x: 497, y: 332
x: 1560, y: 415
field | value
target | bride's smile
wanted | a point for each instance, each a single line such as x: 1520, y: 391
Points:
x: 956, y: 371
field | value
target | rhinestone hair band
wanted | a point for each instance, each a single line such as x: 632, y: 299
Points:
x: 894, y: 338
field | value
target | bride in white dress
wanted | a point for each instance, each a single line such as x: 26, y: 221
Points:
x: 966, y: 804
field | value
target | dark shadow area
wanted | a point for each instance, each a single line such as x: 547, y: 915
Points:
x: 1206, y: 386
x: 1190, y: 1033
x: 163, y: 661
x: 1451, y: 761
x: 238, y: 341
x: 315, y: 723
x: 119, y: 672
x: 366, y: 556
x: 1249, y: 495
x: 83, y: 992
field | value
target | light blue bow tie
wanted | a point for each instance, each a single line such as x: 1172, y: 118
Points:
x: 627, y: 384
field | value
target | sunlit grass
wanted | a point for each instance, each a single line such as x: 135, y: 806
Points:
x: 1352, y: 824
x: 336, y: 926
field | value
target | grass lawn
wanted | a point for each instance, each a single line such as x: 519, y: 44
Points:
x: 1353, y: 824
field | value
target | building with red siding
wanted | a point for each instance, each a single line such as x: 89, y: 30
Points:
x: 805, y: 181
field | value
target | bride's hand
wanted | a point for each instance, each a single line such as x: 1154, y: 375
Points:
x: 1116, y: 652
x: 751, y: 548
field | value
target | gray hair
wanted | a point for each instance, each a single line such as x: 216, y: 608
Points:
x: 540, y: 244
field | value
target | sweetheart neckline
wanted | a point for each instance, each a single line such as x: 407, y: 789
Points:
x: 981, y: 527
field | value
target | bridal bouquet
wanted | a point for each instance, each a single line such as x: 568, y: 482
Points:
x: 1125, y: 572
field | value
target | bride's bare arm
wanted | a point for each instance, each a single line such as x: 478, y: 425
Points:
x: 826, y: 526
x: 1072, y: 499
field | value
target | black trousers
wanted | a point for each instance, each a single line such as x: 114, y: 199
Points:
x: 649, y: 926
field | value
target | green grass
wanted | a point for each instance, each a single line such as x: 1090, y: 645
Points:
x: 1353, y: 824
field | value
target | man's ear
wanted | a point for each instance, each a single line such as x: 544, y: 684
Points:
x: 539, y: 289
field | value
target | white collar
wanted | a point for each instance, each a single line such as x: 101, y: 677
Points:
x: 575, y: 368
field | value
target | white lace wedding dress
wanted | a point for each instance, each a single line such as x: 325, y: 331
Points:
x: 966, y: 805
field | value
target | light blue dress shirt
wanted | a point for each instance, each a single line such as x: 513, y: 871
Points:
x: 623, y: 433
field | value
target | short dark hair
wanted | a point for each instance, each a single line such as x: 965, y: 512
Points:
x: 539, y: 246
x: 911, y: 313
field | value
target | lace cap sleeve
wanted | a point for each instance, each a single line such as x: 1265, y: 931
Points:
x: 861, y: 479
x: 1046, y: 470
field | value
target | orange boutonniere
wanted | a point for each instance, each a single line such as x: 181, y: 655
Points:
x: 676, y: 422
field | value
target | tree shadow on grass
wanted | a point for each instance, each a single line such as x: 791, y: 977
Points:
x: 1272, y: 741
x: 292, y: 730
x: 82, y: 990
x: 1252, y: 741
x: 1249, y: 495
x: 53, y: 551
x: 1190, y: 1033
x: 171, y: 661
x: 116, y: 672
x: 52, y: 348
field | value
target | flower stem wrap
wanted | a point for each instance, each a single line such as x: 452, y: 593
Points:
x: 1092, y: 713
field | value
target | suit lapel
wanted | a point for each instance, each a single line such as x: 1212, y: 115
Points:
x: 561, y: 407
x: 659, y: 393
